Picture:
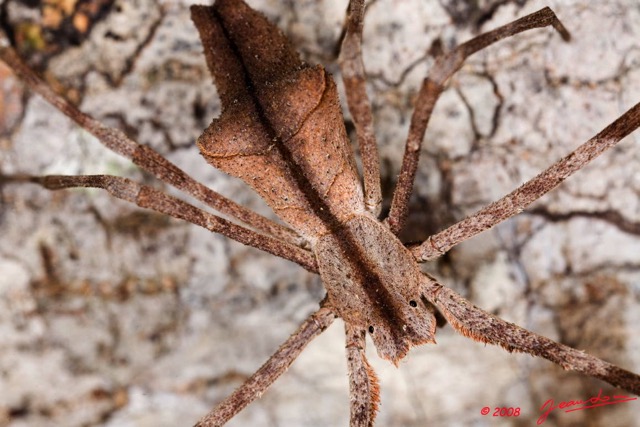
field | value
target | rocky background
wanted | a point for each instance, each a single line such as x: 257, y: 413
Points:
x: 113, y: 316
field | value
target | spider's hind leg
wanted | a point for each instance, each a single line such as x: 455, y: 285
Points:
x: 141, y: 155
x: 445, y: 66
x: 151, y: 198
x: 353, y: 75
x: 516, y: 201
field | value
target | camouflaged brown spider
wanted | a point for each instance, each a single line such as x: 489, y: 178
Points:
x: 282, y: 132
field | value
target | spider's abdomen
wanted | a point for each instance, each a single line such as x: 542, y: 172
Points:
x: 281, y: 129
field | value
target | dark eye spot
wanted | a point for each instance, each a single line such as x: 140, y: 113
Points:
x: 412, y: 303
x: 370, y: 329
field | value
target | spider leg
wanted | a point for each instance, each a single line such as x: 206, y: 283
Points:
x: 143, y: 156
x: 476, y: 323
x: 515, y: 202
x: 363, y: 383
x: 445, y: 66
x: 151, y: 198
x: 277, y: 364
x: 353, y: 76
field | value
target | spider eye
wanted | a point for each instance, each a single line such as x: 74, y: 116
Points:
x: 370, y: 329
x: 412, y: 303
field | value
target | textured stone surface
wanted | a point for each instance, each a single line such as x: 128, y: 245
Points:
x: 111, y: 316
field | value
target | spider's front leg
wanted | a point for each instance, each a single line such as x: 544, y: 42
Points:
x: 277, y: 364
x: 481, y: 326
x: 363, y: 383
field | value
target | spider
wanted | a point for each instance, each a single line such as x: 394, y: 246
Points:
x: 352, y: 347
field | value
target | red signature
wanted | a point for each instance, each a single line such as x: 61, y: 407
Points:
x: 578, y: 405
